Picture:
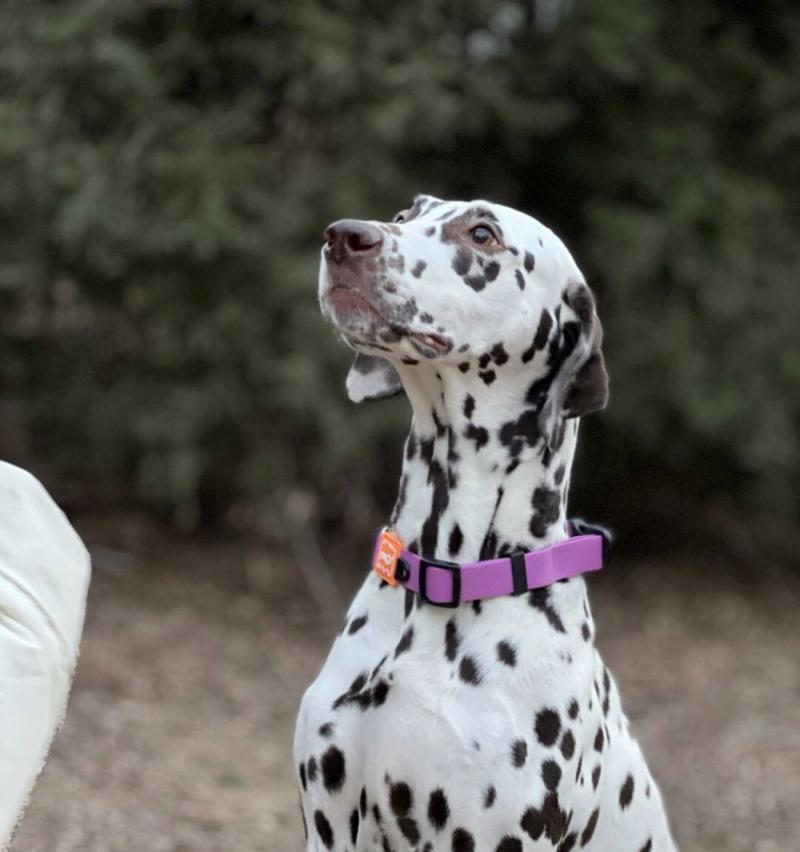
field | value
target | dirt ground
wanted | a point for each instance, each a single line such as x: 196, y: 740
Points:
x: 196, y: 654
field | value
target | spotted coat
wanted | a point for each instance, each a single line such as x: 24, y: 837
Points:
x: 493, y: 726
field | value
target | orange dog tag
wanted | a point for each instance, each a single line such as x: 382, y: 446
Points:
x: 386, y: 555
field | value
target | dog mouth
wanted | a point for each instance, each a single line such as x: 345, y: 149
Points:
x: 429, y: 343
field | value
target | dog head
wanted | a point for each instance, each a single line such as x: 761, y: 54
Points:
x: 469, y: 286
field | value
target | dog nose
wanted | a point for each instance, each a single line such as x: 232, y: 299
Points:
x: 349, y: 237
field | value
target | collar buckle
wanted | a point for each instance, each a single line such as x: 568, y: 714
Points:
x: 455, y: 573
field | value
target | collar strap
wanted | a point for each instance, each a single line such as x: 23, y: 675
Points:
x: 449, y: 584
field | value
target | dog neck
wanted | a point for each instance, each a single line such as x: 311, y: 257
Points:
x: 477, y: 481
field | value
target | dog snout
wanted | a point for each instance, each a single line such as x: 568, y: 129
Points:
x: 349, y: 238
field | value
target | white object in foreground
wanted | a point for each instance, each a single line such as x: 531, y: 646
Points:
x: 44, y: 578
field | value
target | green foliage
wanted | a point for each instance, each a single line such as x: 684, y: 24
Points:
x: 167, y: 168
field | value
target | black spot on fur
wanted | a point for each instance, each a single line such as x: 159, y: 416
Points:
x: 499, y: 354
x: 362, y: 802
x: 491, y: 269
x: 379, y: 692
x: 519, y: 753
x: 468, y: 671
x: 326, y: 730
x: 405, y: 642
x: 356, y: 624
x: 519, y: 433
x: 556, y: 819
x: 626, y: 793
x: 489, y: 796
x: 520, y: 279
x: 540, y: 599
x: 532, y: 823
x: 487, y: 376
x: 452, y: 640
x: 509, y: 844
x: 378, y: 667
x: 312, y: 769
x: 419, y: 268
x: 441, y: 497
x: 469, y: 405
x: 425, y: 317
x: 476, y: 607
x: 573, y: 709
x: 438, y: 809
x: 586, y: 632
x: 401, y: 799
x: 355, y: 695
x: 464, y: 366
x: 598, y: 740
x: 540, y: 337
x: 462, y: 841
x: 529, y: 262
x: 302, y: 771
x: 547, y: 508
x: 462, y: 261
x: 551, y: 774
x: 408, y: 603
x: 590, y: 827
x: 568, y: 745
x: 333, y: 769
x: 647, y: 846
x: 568, y: 842
x: 596, y: 776
x: 455, y: 541
x: 411, y: 362
x: 324, y: 829
x: 440, y: 427
x: 430, y: 231
x: 410, y: 829
x: 477, y: 434
x: 354, y: 827
x: 452, y: 458
x: 506, y: 653
x: 547, y: 726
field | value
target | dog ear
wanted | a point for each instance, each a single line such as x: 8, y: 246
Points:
x: 580, y: 384
x: 372, y: 377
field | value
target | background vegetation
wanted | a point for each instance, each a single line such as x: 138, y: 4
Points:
x: 167, y: 167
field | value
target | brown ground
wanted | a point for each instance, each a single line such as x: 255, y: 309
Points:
x: 196, y: 653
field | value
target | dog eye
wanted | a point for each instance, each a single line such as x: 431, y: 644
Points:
x: 481, y: 234
x: 400, y: 217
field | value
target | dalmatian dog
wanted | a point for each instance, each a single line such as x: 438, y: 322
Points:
x: 493, y: 725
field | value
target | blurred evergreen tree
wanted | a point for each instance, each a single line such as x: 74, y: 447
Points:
x: 167, y: 168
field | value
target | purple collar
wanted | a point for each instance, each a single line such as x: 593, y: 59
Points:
x: 449, y: 584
